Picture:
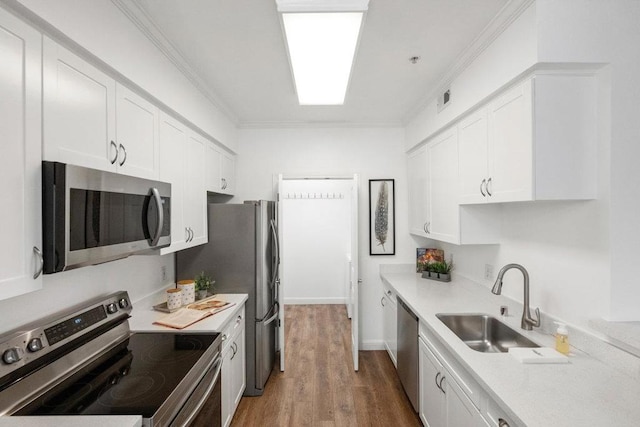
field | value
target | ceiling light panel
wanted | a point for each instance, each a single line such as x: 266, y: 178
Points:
x: 321, y: 50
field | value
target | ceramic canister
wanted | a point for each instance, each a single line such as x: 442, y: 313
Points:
x: 174, y: 298
x: 188, y: 288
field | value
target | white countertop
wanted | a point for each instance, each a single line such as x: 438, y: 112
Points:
x: 584, y: 392
x: 143, y: 315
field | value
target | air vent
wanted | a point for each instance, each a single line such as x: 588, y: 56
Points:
x: 444, y: 99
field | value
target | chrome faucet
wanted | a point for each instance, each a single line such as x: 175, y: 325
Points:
x: 527, y: 321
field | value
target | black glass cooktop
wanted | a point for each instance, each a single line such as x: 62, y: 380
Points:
x: 135, y: 377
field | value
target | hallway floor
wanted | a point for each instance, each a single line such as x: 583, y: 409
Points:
x: 319, y: 386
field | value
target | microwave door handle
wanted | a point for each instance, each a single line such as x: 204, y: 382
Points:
x: 160, y: 216
x: 276, y: 269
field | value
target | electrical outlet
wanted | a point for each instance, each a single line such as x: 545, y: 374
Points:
x: 163, y: 272
x: 488, y: 272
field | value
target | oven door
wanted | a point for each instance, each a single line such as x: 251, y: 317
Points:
x: 204, y: 406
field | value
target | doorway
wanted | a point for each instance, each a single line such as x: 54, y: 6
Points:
x: 318, y: 233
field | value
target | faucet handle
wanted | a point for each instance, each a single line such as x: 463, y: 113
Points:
x: 535, y: 322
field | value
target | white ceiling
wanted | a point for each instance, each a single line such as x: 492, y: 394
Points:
x: 235, y: 48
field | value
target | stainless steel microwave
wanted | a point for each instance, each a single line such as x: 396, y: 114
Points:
x: 92, y: 216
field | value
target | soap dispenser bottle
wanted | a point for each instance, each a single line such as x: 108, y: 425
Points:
x: 562, y: 338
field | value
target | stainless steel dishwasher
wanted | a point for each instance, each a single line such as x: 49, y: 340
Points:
x: 408, y: 352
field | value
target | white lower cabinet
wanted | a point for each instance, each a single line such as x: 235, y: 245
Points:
x: 390, y: 319
x: 233, y: 367
x: 449, y: 397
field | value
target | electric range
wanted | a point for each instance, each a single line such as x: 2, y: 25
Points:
x: 86, y: 361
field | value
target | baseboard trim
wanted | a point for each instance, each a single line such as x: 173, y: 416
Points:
x: 372, y: 345
x: 306, y: 301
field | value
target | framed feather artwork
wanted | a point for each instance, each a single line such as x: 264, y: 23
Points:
x: 382, y: 217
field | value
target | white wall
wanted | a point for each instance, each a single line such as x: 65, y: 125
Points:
x: 316, y: 240
x: 140, y: 275
x: 103, y: 30
x: 505, y: 58
x: 372, y: 153
x: 608, y: 32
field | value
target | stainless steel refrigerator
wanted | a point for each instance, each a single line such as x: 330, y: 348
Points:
x: 242, y: 257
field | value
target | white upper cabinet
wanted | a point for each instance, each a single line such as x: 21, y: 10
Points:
x: 173, y: 164
x: 418, y: 196
x: 136, y: 134
x: 214, y: 168
x: 442, y: 183
x: 221, y: 170
x: 20, y: 163
x: 536, y: 141
x: 92, y: 121
x: 434, y: 211
x: 182, y: 164
x: 79, y: 111
x: 195, y: 208
x: 228, y: 175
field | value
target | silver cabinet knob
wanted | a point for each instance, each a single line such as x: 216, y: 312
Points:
x: 502, y: 423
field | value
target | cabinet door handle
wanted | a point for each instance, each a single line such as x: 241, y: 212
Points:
x: 502, y: 423
x: 115, y: 147
x: 488, y: 185
x: 191, y: 233
x: 239, y: 319
x: 124, y: 150
x: 388, y: 292
x: 440, y: 385
x: 424, y: 227
x: 186, y: 231
x: 224, y: 337
x: 427, y: 225
x: 482, y: 187
x: 382, y: 301
x: 38, y: 272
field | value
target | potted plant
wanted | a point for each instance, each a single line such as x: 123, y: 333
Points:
x: 203, y: 283
x: 439, y: 270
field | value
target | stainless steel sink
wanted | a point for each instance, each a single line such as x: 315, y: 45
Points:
x: 484, y: 333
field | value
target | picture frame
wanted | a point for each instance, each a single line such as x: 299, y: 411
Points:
x: 382, y: 217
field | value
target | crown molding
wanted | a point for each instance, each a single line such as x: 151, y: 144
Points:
x: 137, y: 14
x: 503, y: 19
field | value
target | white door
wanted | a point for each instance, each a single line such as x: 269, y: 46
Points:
x: 355, y: 282
x: 282, y: 280
x: 195, y: 211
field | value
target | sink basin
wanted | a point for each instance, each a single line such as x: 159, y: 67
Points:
x: 484, y: 333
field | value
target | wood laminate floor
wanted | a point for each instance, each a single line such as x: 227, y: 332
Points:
x: 319, y: 386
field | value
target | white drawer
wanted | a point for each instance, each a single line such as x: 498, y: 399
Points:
x: 232, y: 328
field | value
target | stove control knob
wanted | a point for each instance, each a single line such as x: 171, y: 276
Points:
x: 112, y: 308
x: 12, y: 355
x: 123, y: 303
x: 35, y: 344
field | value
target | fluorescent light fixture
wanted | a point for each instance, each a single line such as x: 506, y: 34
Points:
x: 322, y: 37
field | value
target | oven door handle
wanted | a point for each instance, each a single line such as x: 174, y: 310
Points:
x: 216, y: 368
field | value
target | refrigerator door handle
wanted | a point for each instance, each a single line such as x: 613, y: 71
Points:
x: 266, y: 319
x: 274, y: 232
